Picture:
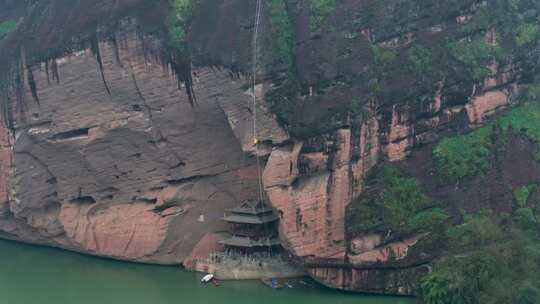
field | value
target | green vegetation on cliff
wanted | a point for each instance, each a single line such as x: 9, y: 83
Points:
x: 491, y: 259
x: 421, y: 59
x: 490, y: 256
x: 475, y: 55
x: 320, y: 10
x: 393, y: 202
x: 178, y: 22
x: 391, y: 52
x: 463, y: 156
x: 7, y: 27
x: 525, y: 119
x: 383, y: 57
x: 281, y: 33
x: 522, y: 194
x: 526, y: 33
x: 282, y: 98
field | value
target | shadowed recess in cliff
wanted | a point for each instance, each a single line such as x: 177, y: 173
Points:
x: 83, y: 200
x: 181, y: 66
x: 71, y: 135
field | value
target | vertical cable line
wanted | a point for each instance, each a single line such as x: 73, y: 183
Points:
x: 254, y: 79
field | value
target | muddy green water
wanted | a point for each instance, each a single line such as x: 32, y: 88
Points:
x: 37, y: 275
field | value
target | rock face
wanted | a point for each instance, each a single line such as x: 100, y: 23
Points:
x: 102, y: 151
x: 115, y: 161
x: 311, y: 191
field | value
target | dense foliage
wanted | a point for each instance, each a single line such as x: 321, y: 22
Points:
x: 463, y: 53
x: 475, y: 55
x: 320, y: 10
x: 394, y: 202
x: 463, y: 156
x: 281, y: 32
x: 526, y: 120
x: 282, y: 98
x: 178, y: 22
x: 522, y: 194
x: 492, y: 259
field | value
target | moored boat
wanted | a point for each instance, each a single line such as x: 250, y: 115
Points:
x: 207, y: 278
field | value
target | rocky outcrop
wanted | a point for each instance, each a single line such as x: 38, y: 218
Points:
x: 409, y: 127
x: 311, y: 183
x: 109, y: 157
x: 244, y: 121
x: 106, y: 153
x: 485, y: 105
x: 131, y: 231
x: 385, y: 281
x: 311, y: 190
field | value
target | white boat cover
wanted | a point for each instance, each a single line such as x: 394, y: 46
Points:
x: 207, y: 278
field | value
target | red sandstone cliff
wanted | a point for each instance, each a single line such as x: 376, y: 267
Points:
x: 311, y: 191
x: 136, y: 174
x: 108, y: 155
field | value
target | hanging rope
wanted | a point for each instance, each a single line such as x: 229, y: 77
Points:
x: 254, y: 79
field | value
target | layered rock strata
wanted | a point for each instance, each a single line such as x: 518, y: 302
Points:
x: 109, y: 157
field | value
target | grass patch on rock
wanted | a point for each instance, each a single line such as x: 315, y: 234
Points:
x: 7, y: 27
x: 524, y: 119
x: 463, y: 156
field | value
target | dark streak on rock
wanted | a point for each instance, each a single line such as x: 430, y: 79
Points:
x: 32, y: 84
x: 47, y: 71
x: 114, y: 44
x: 181, y: 66
x: 54, y: 70
x: 94, y: 46
x: 188, y: 179
x: 83, y: 200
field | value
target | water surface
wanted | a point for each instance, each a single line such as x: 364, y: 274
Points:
x: 38, y: 275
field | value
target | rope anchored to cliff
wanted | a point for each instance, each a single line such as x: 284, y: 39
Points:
x: 254, y: 84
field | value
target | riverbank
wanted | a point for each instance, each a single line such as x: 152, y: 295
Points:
x: 227, y: 267
x: 38, y: 275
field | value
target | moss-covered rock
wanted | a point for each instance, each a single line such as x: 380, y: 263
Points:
x: 393, y: 202
x: 7, y: 27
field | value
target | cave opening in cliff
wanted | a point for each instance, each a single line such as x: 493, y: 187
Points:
x: 84, y: 200
x: 71, y: 135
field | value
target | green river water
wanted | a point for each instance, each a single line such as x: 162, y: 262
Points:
x: 38, y: 275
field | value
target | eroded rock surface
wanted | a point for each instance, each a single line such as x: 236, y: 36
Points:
x: 312, y: 182
x: 108, y: 155
x: 115, y: 161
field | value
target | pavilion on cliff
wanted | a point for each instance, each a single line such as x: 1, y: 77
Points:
x: 253, y: 228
